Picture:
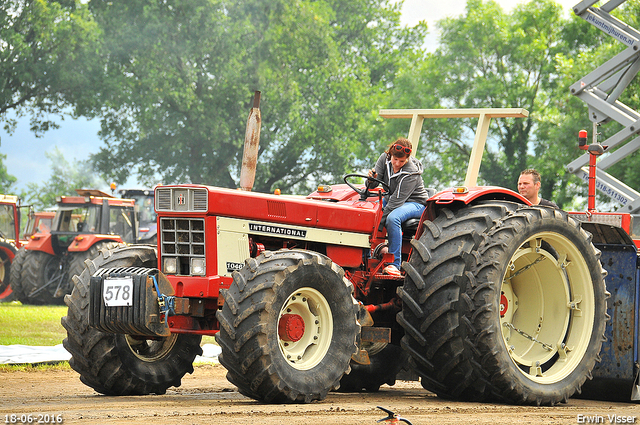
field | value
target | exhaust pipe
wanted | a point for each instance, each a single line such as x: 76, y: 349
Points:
x: 251, y: 143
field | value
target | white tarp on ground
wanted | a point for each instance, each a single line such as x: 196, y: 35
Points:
x: 24, y: 354
x: 21, y: 354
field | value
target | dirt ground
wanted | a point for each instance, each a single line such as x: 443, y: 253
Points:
x: 206, y: 397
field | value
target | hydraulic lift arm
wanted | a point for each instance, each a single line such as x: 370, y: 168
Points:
x: 600, y: 90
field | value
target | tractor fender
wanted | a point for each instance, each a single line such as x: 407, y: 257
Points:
x: 82, y: 243
x: 40, y: 242
x: 606, y: 234
x: 466, y: 196
x: 459, y: 197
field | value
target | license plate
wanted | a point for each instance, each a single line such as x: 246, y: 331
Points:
x: 118, y: 291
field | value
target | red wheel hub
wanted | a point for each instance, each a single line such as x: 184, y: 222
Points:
x: 504, y: 305
x: 291, y: 327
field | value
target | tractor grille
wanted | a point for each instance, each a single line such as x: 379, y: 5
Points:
x: 182, y: 239
x: 181, y: 199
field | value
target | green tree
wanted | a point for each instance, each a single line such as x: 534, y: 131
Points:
x: 7, y: 181
x: 180, y: 76
x: 47, y: 61
x: 65, y: 178
x: 491, y: 59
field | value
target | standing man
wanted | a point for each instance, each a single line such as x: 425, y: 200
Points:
x: 529, y: 186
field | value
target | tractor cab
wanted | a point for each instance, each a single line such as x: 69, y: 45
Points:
x: 9, y: 241
x: 71, y: 220
x: 92, y: 215
x: 8, y: 218
x: 38, y: 222
x: 147, y: 217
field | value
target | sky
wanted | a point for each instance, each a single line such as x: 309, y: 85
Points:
x: 77, y: 139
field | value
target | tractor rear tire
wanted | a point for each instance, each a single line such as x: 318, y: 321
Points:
x: 514, y: 312
x: 288, y: 327
x: 16, y: 274
x: 117, y: 364
x: 77, y: 265
x: 434, y: 296
x: 539, y: 311
x: 41, y: 273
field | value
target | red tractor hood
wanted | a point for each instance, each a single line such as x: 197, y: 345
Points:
x: 348, y: 214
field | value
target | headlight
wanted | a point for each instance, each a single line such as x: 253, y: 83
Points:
x: 197, y: 266
x: 170, y: 265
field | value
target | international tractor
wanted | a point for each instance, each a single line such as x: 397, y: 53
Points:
x: 81, y: 227
x: 499, y: 300
x: 9, y: 242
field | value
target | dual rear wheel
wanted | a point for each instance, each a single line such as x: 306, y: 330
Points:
x: 504, y: 303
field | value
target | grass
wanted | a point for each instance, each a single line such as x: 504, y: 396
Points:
x: 36, y: 326
x: 31, y: 324
x: 34, y: 367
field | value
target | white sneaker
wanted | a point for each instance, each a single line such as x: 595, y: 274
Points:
x: 391, y: 270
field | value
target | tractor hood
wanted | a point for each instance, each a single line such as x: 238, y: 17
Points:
x: 348, y: 213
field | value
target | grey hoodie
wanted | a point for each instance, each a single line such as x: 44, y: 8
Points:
x: 404, y: 186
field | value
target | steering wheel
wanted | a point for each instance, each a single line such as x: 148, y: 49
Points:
x: 364, y: 193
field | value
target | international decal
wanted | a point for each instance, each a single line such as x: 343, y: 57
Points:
x: 181, y: 199
x: 276, y: 230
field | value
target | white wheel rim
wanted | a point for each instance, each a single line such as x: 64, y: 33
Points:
x: 150, y: 350
x: 547, y: 308
x: 3, y: 269
x: 312, y: 346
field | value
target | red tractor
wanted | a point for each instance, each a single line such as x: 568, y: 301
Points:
x: 9, y: 242
x: 499, y: 300
x: 82, y: 225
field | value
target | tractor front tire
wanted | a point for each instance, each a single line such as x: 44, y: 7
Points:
x: 77, y: 265
x: 117, y: 364
x: 288, y: 327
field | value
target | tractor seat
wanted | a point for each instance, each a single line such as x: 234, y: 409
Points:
x: 409, y: 228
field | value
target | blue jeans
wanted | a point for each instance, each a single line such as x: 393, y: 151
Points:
x: 394, y: 227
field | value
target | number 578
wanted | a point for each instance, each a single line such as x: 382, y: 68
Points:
x: 121, y: 293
